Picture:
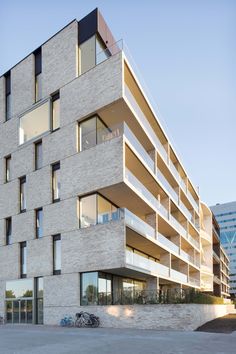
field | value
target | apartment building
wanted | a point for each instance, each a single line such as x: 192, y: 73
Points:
x: 96, y: 207
x: 220, y: 263
x: 225, y: 215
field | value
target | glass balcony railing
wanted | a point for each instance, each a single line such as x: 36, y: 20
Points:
x: 193, y: 201
x: 167, y: 186
x: 174, y: 170
x: 194, y: 281
x: 178, y: 226
x: 193, y: 241
x: 148, y: 196
x: 178, y: 276
x: 138, y: 224
x: 146, y: 264
x: 147, y: 127
x: 138, y: 147
x: 186, y: 211
x: 167, y: 243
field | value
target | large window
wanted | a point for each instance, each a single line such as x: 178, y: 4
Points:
x: 38, y: 74
x: 98, y: 288
x: 8, y: 228
x: 35, y: 122
x: 56, y: 182
x: 92, y: 132
x: 39, y: 222
x: 95, y: 209
x: 23, y: 259
x: 56, y: 111
x: 38, y: 155
x: 92, y: 52
x: 8, y: 95
x: 23, y: 194
x: 56, y: 254
x: 8, y: 168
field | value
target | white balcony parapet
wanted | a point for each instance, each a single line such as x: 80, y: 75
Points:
x: 167, y: 186
x: 146, y: 264
x: 138, y: 224
x: 167, y: 243
x: 147, y: 127
x: 178, y: 276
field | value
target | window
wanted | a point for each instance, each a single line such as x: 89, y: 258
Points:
x: 56, y: 184
x: 56, y: 254
x: 88, y: 211
x: 98, y: 288
x: 23, y: 194
x: 8, y: 228
x: 95, y: 209
x: 8, y: 95
x: 23, y: 259
x: 56, y: 111
x: 92, y: 52
x: 92, y: 132
x: 35, y: 122
x: 8, y: 168
x: 38, y: 155
x: 38, y: 74
x: 39, y: 222
x: 39, y: 300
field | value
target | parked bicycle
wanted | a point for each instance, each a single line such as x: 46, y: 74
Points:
x: 85, y: 319
x: 67, y: 321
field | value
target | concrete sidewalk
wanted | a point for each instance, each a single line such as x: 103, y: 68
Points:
x: 24, y: 339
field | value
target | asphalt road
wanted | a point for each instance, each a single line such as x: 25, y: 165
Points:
x: 24, y: 339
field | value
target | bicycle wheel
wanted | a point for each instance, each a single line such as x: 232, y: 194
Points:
x: 80, y: 322
x: 95, y: 322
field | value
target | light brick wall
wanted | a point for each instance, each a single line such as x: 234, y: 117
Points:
x: 81, y: 98
x: 93, y: 169
x: 185, y: 317
x: 10, y: 262
x: 39, y: 257
x: 59, y: 59
x: 94, y: 248
x: 22, y: 85
x: 61, y: 290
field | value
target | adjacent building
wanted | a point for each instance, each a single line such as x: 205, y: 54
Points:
x: 96, y: 207
x: 225, y: 215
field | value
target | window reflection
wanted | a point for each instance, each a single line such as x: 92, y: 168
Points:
x: 34, y: 123
x: 92, y: 132
x: 98, y: 288
x: 95, y: 209
x: 19, y: 288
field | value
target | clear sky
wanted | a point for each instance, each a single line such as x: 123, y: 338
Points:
x: 186, y: 53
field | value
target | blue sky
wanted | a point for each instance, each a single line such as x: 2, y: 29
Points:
x: 186, y: 54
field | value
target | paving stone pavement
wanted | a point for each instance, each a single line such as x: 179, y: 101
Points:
x: 24, y: 339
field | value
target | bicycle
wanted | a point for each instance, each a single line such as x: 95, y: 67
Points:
x: 85, y: 319
x: 67, y: 321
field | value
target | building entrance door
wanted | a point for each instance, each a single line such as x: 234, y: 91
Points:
x: 19, y: 311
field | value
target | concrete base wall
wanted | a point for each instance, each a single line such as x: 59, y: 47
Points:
x: 161, y: 317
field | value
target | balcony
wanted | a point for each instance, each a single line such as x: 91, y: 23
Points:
x: 146, y: 265
x: 144, y: 122
x: 167, y: 243
x: 177, y: 276
x: 167, y: 186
